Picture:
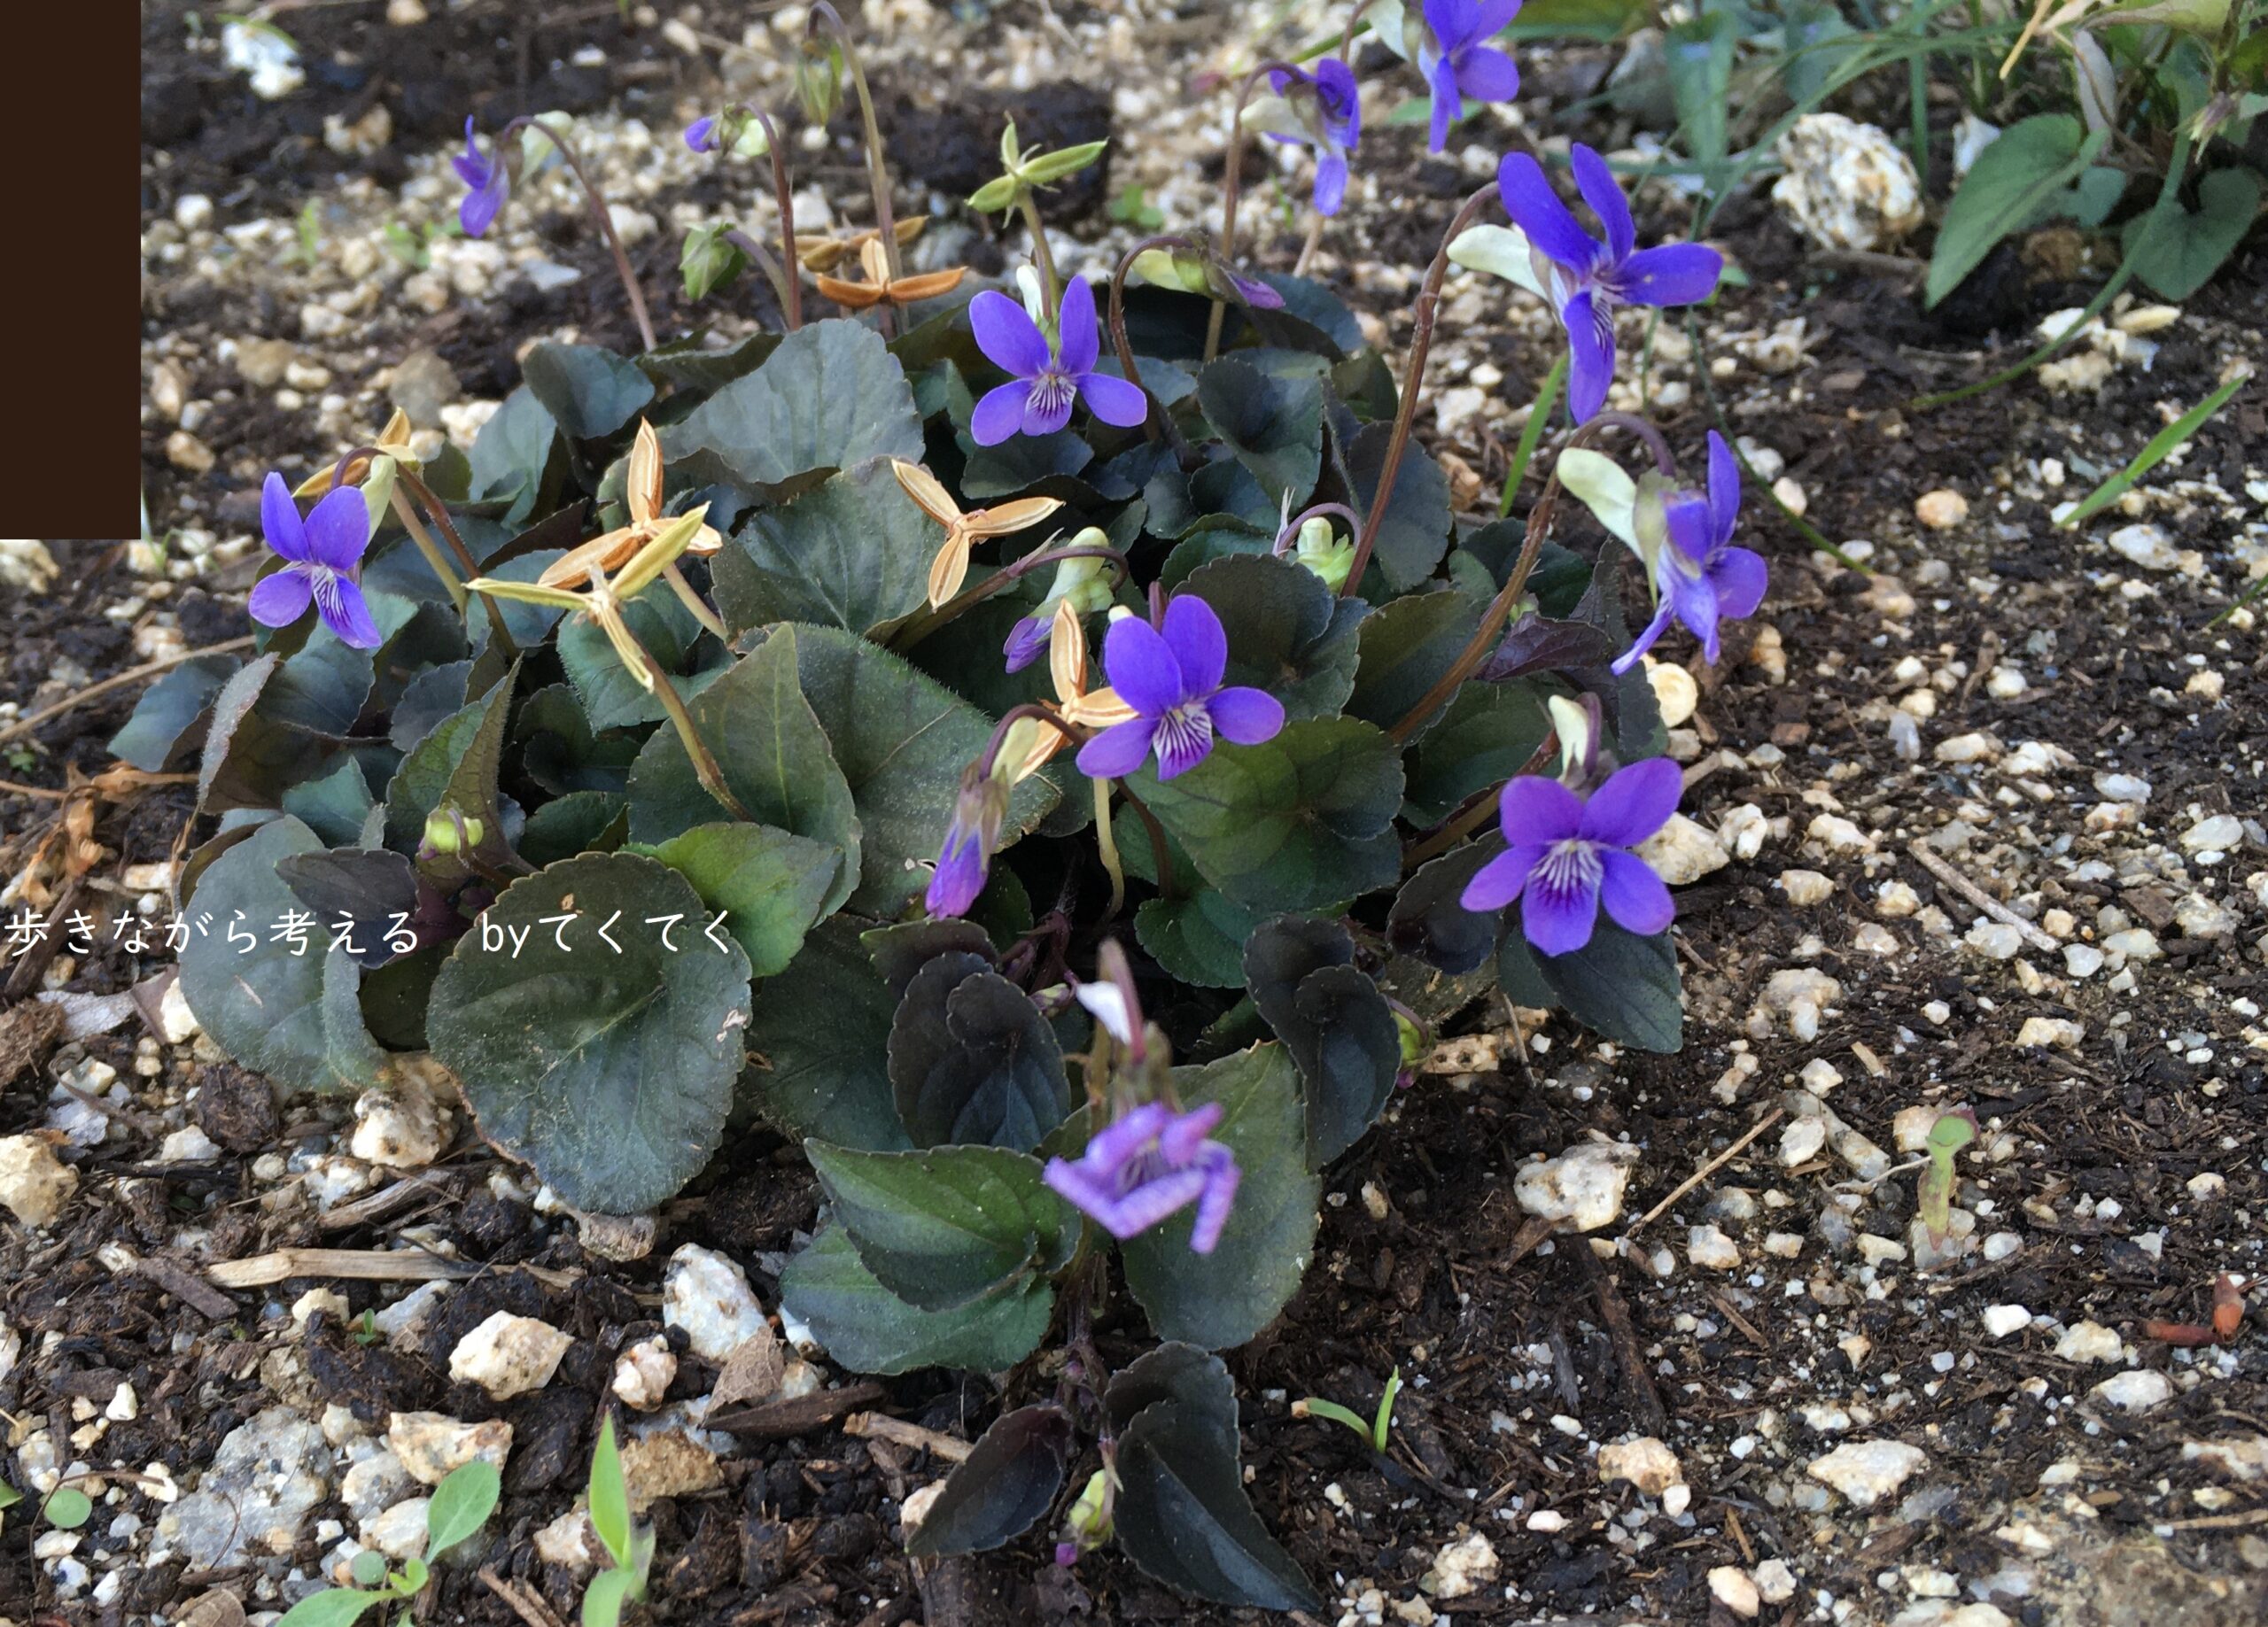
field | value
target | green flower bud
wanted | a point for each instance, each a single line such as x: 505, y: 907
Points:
x: 1090, y: 1516
x: 377, y: 488
x: 1041, y: 170
x: 1413, y: 1037
x: 710, y: 259
x: 819, y: 79
x: 999, y: 193
x: 1322, y: 550
x: 1181, y: 270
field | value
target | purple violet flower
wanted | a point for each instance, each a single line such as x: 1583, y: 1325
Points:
x: 1585, y: 278
x: 489, y: 179
x: 1328, y: 107
x: 320, y: 553
x: 979, y: 811
x: 1027, y: 638
x: 1568, y: 856
x: 1171, y: 677
x: 1449, y: 45
x: 701, y: 134
x: 1150, y: 1164
x: 1047, y: 378
x: 1703, y: 579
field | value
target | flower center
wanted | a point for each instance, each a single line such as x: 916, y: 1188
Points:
x: 1185, y: 733
x: 1569, y: 868
x: 1052, y: 390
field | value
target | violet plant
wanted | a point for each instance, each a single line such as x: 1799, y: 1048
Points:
x: 678, y: 763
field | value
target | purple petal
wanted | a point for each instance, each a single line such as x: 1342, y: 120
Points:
x: 1006, y: 335
x: 1026, y: 640
x: 1536, y: 210
x: 339, y: 529
x: 1183, y: 739
x: 1142, y: 667
x: 1740, y: 576
x: 1674, y: 274
x: 1214, y: 1200
x: 1536, y: 809
x: 1633, y: 894
x: 344, y: 610
x: 1256, y: 294
x: 1154, y: 1200
x: 1590, y: 355
x: 1694, y: 599
x: 280, y: 522
x: 1329, y: 182
x: 960, y: 876
x: 1246, y: 716
x: 1491, y: 18
x: 1686, y: 518
x: 1181, y: 1142
x: 1448, y: 107
x: 481, y: 207
x: 1118, y: 750
x: 280, y: 599
x: 1114, y: 400
x: 1341, y: 99
x: 1281, y: 79
x: 1634, y: 802
x: 1078, y: 339
x: 1724, y: 491
x: 701, y: 134
x: 1557, y: 921
x: 1451, y: 21
x: 1200, y: 643
x: 1001, y: 413
x: 1499, y: 882
x: 1644, y: 641
x: 1488, y: 74
x: 1600, y: 189
x: 1047, y: 411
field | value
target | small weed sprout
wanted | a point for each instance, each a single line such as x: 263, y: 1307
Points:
x: 461, y: 1505
x: 629, y: 1548
x: 1374, y: 1433
x: 1933, y: 1193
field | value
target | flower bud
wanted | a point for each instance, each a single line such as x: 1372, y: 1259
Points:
x: 378, y: 487
x: 818, y: 72
x: 710, y: 259
x: 1322, y: 550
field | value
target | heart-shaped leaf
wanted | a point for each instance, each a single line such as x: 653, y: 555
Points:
x: 1272, y: 424
x: 2178, y: 256
x: 167, y: 719
x: 1414, y: 531
x: 609, y: 1071
x: 366, y: 890
x: 250, y: 759
x: 1622, y: 985
x: 1428, y: 920
x: 1484, y: 737
x: 972, y: 1061
x: 852, y: 554
x: 590, y: 392
x: 1197, y: 938
x: 335, y: 806
x: 454, y: 767
x: 1287, y: 634
x: 1182, y: 1513
x: 1332, y: 1017
x: 2014, y: 182
x: 869, y: 1329
x: 1003, y: 1488
x: 1300, y: 822
x: 1226, y: 1296
x: 769, y: 882
x: 289, y: 1013
x: 821, y: 1038
x: 942, y: 1226
x: 830, y: 397
x: 1408, y: 646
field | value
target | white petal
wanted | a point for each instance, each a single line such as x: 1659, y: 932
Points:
x: 1272, y: 115
x: 1502, y: 251
x: 1109, y: 1008
x: 1386, y: 22
x: 1602, y: 487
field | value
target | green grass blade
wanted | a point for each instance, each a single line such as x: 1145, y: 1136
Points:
x: 2150, y: 456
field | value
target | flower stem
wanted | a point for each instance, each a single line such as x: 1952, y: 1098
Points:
x: 783, y: 194
x: 424, y: 541
x: 439, y: 516
x: 1421, y: 340
x: 1157, y: 838
x: 1479, y: 814
x: 877, y: 175
x: 1231, y: 185
x: 1107, y: 844
x: 1157, y: 419
x: 1051, y: 289
x: 694, y: 602
x: 597, y: 201
x: 1314, y: 241
x: 970, y: 597
x: 782, y: 279
x: 1286, y: 538
x: 704, y: 763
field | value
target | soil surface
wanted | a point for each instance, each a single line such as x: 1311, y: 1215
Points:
x: 1976, y: 825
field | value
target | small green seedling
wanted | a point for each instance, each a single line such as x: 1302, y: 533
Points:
x: 1132, y: 207
x: 364, y: 1329
x: 308, y: 251
x: 67, y: 1508
x: 628, y: 1547
x: 1933, y: 1193
x: 1374, y: 1434
x: 461, y: 1505
x: 8, y: 1497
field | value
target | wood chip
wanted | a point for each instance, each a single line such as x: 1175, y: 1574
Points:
x: 192, y: 1291
x: 753, y: 1372
x: 779, y: 1420
x: 367, y: 1265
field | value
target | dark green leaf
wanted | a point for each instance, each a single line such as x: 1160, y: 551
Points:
x: 512, y: 454
x: 1225, y: 1297
x: 687, y: 364
x: 1003, y: 1488
x: 769, y: 882
x: 1198, y: 938
x: 573, y: 824
x: 1484, y: 737
x: 427, y: 701
x: 773, y: 752
x: 611, y: 698
x: 1406, y: 647
x: 852, y: 554
x: 373, y: 888
x: 559, y: 751
x: 1622, y: 985
x: 972, y: 1061
x: 944, y: 1226
x: 1332, y: 1017
x: 1300, y: 822
x: 292, y: 1017
x: 335, y: 806
x: 2178, y: 256
x: 589, y: 393
x: 455, y: 766
x: 1182, y: 1515
x: 1273, y: 424
x: 1040, y: 464
x: 1414, y: 531
x: 869, y: 1329
x: 166, y: 719
x: 2012, y: 184
x: 901, y: 950
x: 902, y: 739
x: 249, y: 759
x: 1428, y: 922
x: 610, y: 1073
x: 830, y: 397
x: 1287, y: 634
x: 823, y: 1028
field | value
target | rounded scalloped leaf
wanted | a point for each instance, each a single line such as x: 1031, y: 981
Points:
x: 609, y: 1072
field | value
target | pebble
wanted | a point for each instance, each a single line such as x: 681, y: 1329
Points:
x: 2082, y: 959
x: 668, y: 1463
x: 2089, y: 1341
x: 1801, y: 1142
x: 1846, y: 185
x: 1583, y: 1186
x: 406, y: 1127
x: 1942, y: 509
x: 2054, y: 1033
x: 2145, y: 546
x: 268, y: 1473
x: 1909, y: 1129
x: 401, y: 1531
x: 709, y: 1297
x: 643, y: 1373
x: 1736, y: 1590
x: 1975, y: 747
x: 1675, y: 691
x: 2002, y: 1246
x: 1682, y: 852
x: 2135, y: 943
x: 2137, y: 1391
x: 509, y: 1355
x: 1806, y: 888
x: 569, y: 1542
x: 1775, y: 1581
x: 1462, y: 1567
x: 1993, y: 940
x: 374, y: 1483
x: 188, y: 454
x: 2121, y: 787
x: 1804, y: 993
x: 34, y: 1184
x: 1867, y: 1471
x: 2221, y: 832
x: 430, y: 1444
x: 1645, y: 1463
x: 1708, y: 1247
x: 2000, y: 1320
